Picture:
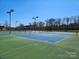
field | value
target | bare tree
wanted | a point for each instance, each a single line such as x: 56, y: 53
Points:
x: 67, y: 20
x: 41, y: 25
x: 59, y: 22
x: 50, y: 23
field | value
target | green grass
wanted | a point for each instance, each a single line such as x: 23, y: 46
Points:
x: 12, y: 47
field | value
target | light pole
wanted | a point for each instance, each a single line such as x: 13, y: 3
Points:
x: 35, y: 18
x: 35, y: 21
x: 9, y: 12
x: 16, y: 23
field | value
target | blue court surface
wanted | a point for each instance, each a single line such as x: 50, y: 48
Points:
x: 50, y: 37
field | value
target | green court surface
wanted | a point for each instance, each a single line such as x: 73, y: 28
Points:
x: 12, y: 47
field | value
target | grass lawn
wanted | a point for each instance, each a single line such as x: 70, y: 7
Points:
x: 12, y: 47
